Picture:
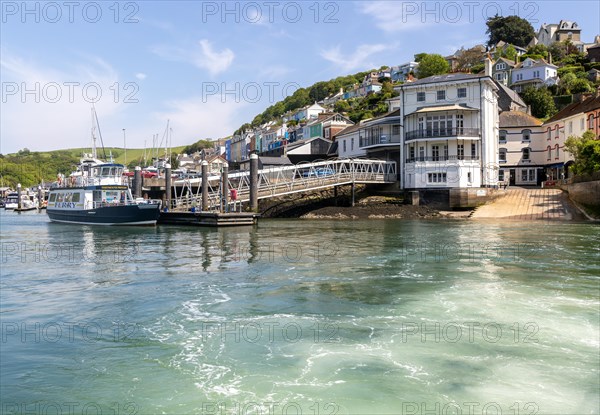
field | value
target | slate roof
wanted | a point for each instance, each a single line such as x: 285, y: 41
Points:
x: 518, y: 119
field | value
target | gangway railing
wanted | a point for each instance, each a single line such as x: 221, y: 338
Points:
x: 281, y: 181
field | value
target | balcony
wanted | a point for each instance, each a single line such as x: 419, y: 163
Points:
x: 442, y: 158
x: 379, y: 140
x: 442, y: 132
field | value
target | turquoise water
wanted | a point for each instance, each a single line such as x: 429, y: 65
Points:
x: 310, y: 317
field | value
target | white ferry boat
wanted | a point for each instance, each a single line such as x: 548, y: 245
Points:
x: 97, y: 195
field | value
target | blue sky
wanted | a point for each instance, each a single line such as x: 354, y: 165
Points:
x: 208, y: 67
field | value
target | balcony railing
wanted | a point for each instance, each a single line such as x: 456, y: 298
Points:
x: 442, y: 132
x: 442, y: 158
x: 382, y: 139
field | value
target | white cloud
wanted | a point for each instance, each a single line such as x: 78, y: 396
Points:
x: 213, y: 61
x: 46, y: 108
x: 140, y: 75
x: 401, y: 16
x: 355, y: 60
x: 206, y: 58
x: 196, y: 117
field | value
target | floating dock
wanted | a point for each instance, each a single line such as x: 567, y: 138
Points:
x: 214, y: 219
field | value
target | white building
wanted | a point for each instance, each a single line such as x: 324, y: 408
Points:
x: 533, y: 72
x: 449, y: 130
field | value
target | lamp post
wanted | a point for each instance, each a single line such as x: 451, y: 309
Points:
x: 125, y: 146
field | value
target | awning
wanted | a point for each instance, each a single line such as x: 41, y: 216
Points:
x: 454, y: 107
x: 555, y: 165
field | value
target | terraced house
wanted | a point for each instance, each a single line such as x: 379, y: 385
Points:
x: 449, y: 130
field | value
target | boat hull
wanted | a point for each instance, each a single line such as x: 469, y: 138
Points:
x: 143, y: 214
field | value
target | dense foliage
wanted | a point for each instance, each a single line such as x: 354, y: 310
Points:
x: 511, y: 29
x: 585, y: 151
x: 432, y: 64
x: 198, y: 146
x: 31, y: 168
x: 540, y: 99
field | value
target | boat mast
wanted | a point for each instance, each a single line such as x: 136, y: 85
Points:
x: 94, y: 156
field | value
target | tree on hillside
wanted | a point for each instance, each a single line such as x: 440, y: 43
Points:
x: 511, y: 29
x: 467, y: 58
x: 541, y: 101
x: 432, y: 64
x: 585, y: 151
x: 539, y: 49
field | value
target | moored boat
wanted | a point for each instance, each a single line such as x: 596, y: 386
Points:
x: 98, y: 195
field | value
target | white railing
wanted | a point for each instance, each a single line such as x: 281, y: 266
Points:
x: 279, y: 181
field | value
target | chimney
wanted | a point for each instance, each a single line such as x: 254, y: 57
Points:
x: 488, y: 65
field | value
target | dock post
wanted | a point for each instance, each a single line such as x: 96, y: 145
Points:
x: 40, y: 197
x: 353, y: 192
x: 225, y: 188
x: 168, y: 184
x: 253, y: 182
x: 19, y: 196
x: 137, y: 182
x: 204, y: 206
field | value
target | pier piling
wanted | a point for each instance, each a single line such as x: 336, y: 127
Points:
x: 137, y: 182
x: 225, y: 189
x: 19, y: 196
x: 168, y: 184
x: 40, y: 197
x: 253, y: 182
x: 204, y: 206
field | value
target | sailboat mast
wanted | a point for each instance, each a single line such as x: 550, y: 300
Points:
x: 93, y: 135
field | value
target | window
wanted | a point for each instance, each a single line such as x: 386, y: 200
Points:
x: 502, y: 136
x: 549, y: 133
x: 501, y: 175
x: 52, y: 197
x: 462, y: 92
x: 469, y: 178
x: 344, y: 144
x: 459, y: 124
x: 445, y: 152
x: 395, y: 129
x: 352, y: 144
x: 420, y: 96
x: 570, y: 127
x: 526, y: 135
x: 500, y: 66
x: 422, y: 153
x: 76, y: 197
x: 436, y: 177
x: 591, y: 122
x: 549, y: 151
x: 435, y: 153
x: 473, y: 151
x: 528, y: 175
x: 525, y: 154
x: 460, y: 151
x: 502, y: 155
x: 556, y: 152
x: 582, y: 124
x: 557, y: 128
x: 411, y: 153
x: 441, y: 95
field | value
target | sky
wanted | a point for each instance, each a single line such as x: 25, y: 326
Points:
x: 205, y: 68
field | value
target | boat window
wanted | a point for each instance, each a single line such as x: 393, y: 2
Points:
x: 68, y: 197
x: 60, y: 197
x: 76, y: 197
x: 97, y: 195
x: 105, y: 171
x: 52, y: 197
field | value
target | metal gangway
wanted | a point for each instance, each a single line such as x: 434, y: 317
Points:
x: 280, y: 181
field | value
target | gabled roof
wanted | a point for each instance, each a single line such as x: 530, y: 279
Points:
x: 300, y: 143
x: 536, y: 63
x: 506, y: 97
x: 350, y: 129
x: 580, y: 107
x: 459, y: 76
x: 510, y: 63
x: 518, y: 119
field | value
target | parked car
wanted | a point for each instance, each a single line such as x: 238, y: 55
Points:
x: 319, y: 172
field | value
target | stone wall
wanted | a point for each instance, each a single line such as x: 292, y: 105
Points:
x: 471, y: 198
x: 586, y: 193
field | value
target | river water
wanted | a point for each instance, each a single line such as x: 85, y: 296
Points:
x: 300, y: 317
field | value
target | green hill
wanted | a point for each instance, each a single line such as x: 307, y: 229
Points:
x: 32, y: 167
